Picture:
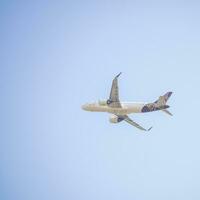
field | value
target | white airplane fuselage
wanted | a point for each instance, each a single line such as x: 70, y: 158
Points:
x: 121, y: 110
x: 125, y: 109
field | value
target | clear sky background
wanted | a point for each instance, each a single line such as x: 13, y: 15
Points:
x: 56, y: 56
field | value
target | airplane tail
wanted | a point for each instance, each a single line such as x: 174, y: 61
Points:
x: 163, y: 99
x: 167, y: 95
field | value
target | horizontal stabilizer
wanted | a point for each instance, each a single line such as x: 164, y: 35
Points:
x: 167, y: 112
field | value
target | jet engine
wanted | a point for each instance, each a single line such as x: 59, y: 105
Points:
x: 115, y: 119
x: 102, y: 102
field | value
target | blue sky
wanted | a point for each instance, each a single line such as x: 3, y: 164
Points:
x: 57, y: 55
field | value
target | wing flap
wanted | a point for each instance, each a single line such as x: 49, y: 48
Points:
x: 130, y: 121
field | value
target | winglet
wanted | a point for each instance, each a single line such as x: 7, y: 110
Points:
x: 149, y: 128
x: 118, y: 75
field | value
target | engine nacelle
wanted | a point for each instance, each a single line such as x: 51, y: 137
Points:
x: 102, y: 102
x: 115, y: 119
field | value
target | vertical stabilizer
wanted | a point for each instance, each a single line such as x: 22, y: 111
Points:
x: 167, y: 96
x: 163, y: 99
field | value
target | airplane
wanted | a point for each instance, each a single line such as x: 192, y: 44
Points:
x: 120, y: 110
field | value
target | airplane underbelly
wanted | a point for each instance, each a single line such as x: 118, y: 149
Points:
x: 118, y: 111
x: 133, y: 108
x: 137, y: 109
x: 125, y: 110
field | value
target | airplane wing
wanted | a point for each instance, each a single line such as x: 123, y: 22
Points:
x: 130, y: 121
x: 113, y: 100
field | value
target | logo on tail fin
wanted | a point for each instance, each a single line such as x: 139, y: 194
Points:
x: 163, y: 99
x: 167, y: 95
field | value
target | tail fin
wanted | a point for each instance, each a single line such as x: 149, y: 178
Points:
x: 167, y: 95
x: 163, y: 99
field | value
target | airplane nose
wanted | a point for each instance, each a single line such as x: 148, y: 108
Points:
x: 84, y: 107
